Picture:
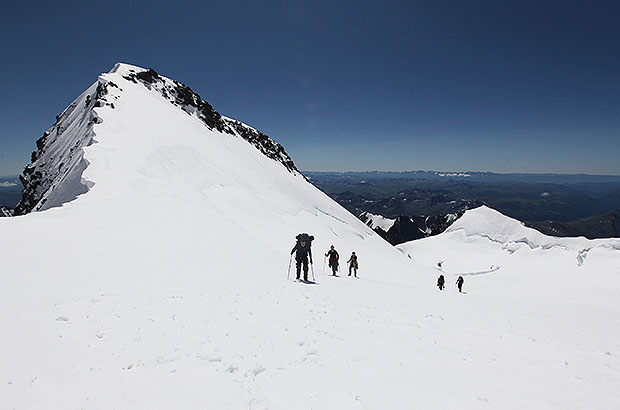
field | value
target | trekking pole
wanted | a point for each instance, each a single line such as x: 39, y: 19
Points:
x: 312, y: 269
x: 288, y: 275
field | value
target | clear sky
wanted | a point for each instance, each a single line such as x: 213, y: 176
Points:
x: 504, y: 86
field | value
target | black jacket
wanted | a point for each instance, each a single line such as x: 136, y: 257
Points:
x: 333, y: 255
x: 302, y: 251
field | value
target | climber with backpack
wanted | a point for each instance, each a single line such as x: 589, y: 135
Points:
x: 303, y: 251
x: 440, y: 282
x: 353, y: 264
x: 459, y: 283
x: 333, y: 259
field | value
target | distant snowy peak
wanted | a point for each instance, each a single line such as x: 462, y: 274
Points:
x: 452, y: 174
x: 54, y: 175
x: 376, y: 221
x: 483, y: 241
x: 487, y: 222
x: 497, y: 227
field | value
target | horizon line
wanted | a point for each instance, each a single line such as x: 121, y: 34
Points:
x: 456, y: 173
x: 464, y: 172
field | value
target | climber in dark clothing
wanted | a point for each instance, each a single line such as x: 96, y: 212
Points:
x: 440, y: 282
x: 302, y: 252
x: 459, y: 283
x: 353, y: 264
x: 333, y: 259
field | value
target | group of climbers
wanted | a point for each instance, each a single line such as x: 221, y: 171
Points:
x: 303, y: 257
x: 441, y: 283
x: 334, y: 261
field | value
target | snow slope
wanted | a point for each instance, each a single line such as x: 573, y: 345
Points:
x: 491, y: 249
x: 550, y: 303
x: 163, y: 286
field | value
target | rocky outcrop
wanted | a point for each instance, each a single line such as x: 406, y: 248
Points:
x: 405, y: 228
x: 58, y: 160
x: 263, y: 143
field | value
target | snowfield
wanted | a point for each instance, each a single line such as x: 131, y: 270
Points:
x: 164, y: 286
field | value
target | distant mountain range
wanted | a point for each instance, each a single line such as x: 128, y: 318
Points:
x: 368, y: 176
x: 599, y: 226
x: 420, y: 202
x: 10, y: 192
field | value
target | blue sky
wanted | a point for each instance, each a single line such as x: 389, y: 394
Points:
x: 519, y: 86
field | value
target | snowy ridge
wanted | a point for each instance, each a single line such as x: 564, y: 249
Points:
x: 54, y: 175
x: 190, y: 102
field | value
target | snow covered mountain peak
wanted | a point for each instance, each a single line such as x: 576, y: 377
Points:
x: 125, y: 68
x: 148, y: 155
x: 488, y: 223
x: 55, y: 174
x: 483, y: 240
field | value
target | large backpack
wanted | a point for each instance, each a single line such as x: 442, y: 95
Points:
x: 307, y: 238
